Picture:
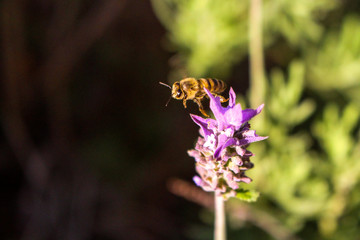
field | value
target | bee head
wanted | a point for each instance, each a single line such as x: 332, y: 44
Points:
x: 176, y: 91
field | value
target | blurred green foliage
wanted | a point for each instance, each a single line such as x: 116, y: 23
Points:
x: 211, y: 36
x: 209, y: 41
x: 308, y: 171
x: 333, y: 64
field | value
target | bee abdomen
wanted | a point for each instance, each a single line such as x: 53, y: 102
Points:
x: 213, y: 85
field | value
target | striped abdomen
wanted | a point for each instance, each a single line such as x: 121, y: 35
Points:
x: 212, y: 84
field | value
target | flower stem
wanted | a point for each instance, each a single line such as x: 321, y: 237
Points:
x: 257, y: 72
x: 220, y: 223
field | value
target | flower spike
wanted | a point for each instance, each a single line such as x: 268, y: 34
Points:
x: 221, y: 155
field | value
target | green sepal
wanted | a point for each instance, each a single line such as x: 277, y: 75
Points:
x: 247, y: 195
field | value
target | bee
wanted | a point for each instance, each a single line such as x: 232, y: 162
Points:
x: 193, y: 89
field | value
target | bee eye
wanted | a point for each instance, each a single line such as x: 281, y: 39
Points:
x: 178, y: 93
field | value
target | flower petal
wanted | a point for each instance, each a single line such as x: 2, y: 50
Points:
x: 229, y: 142
x: 202, y: 123
x: 217, y: 109
x: 197, y: 180
x: 249, y: 140
x: 234, y: 116
x: 212, y: 124
x: 232, y: 98
x: 247, y: 114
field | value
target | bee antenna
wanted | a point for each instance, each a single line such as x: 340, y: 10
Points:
x: 164, y: 84
x: 168, y: 102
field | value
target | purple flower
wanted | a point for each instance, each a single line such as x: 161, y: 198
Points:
x: 220, y: 154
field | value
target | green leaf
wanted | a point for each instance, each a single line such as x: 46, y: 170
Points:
x: 247, y: 195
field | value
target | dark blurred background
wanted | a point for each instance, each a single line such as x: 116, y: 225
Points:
x: 87, y: 145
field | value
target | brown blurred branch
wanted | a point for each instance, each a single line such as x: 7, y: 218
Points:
x: 237, y: 211
x: 190, y: 192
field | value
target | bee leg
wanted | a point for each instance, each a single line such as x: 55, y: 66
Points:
x: 222, y: 99
x: 201, y: 108
x: 184, y: 102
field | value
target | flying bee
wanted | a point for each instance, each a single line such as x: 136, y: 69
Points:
x: 193, y: 89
